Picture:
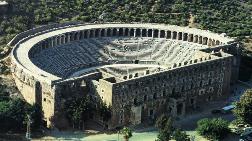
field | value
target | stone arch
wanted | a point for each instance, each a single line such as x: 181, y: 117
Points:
x: 185, y: 36
x: 190, y: 38
x: 195, y: 39
x: 138, y: 32
x: 66, y: 38
x: 149, y: 32
x: 130, y: 76
x: 91, y: 33
x: 147, y: 72
x: 102, y: 32
x: 71, y: 36
x: 162, y: 34
x: 156, y: 33
x: 126, y: 32
x: 85, y: 33
x: 43, y: 45
x: 125, y: 77
x: 200, y: 40
x: 75, y: 36
x: 180, y: 36
x: 54, y: 39
x: 132, y: 31
x: 174, y: 35
x: 205, y: 41
x: 114, y: 32
x: 58, y: 40
x: 81, y: 35
x: 120, y: 31
x: 97, y: 31
x: 144, y: 33
x: 168, y: 33
x: 136, y: 75
x: 108, y: 32
x: 217, y: 42
x: 213, y: 42
x: 209, y: 42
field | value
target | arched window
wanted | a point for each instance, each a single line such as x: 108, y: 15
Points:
x: 144, y: 33
x: 114, y: 32
x: 162, y: 34
x: 108, y: 32
x: 168, y: 34
x: 150, y: 33
x: 126, y: 32
x: 97, y: 32
x: 132, y: 32
x: 156, y: 32
x: 174, y: 35
x: 120, y: 32
x: 138, y: 32
x: 102, y: 32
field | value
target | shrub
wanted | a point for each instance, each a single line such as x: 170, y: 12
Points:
x: 179, y: 135
x: 215, y: 128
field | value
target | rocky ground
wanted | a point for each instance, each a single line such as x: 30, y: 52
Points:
x: 7, y: 83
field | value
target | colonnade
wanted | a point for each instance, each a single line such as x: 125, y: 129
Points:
x: 124, y: 32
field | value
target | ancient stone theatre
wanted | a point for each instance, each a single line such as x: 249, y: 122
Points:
x: 140, y: 69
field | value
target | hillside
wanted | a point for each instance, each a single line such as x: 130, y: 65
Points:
x: 223, y: 16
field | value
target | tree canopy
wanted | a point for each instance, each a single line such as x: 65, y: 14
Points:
x: 214, y: 129
x: 243, y: 109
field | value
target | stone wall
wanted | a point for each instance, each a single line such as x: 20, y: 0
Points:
x: 171, y: 91
x: 176, y: 90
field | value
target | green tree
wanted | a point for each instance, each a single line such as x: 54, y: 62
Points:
x: 13, y: 114
x: 215, y: 128
x: 165, y: 127
x: 243, y: 109
x: 179, y: 135
x: 126, y: 132
x: 78, y: 110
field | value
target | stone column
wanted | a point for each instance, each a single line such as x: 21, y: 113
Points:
x: 123, y: 31
x: 134, y: 32
x: 52, y: 42
x: 195, y: 39
x: 205, y: 41
x: 78, y: 36
x: 166, y: 34
x: 59, y: 40
x: 182, y: 38
x: 152, y: 34
x: 200, y: 40
x: 159, y: 34
x: 213, y: 42
x: 99, y: 34
x: 68, y: 37
x: 105, y: 33
x: 177, y: 35
x: 117, y: 32
x: 55, y: 41
x: 64, y: 41
x: 189, y: 38
x: 88, y: 33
